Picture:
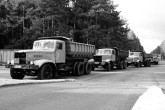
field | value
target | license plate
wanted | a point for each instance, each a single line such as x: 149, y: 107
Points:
x: 17, y: 66
x: 96, y: 62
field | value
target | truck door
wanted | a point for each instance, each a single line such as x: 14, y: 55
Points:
x: 113, y: 55
x: 60, y: 52
x: 141, y: 57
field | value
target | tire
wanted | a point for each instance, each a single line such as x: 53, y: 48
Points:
x: 17, y: 74
x: 149, y: 63
x: 80, y: 68
x: 45, y: 72
x: 74, y: 68
x: 125, y: 65
x: 156, y: 63
x: 87, y: 68
x: 109, y: 68
x: 145, y: 64
x: 138, y: 64
x: 120, y: 65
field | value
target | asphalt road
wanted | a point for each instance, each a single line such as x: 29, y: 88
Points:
x: 101, y: 90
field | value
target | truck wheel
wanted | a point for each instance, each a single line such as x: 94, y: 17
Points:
x: 87, y: 68
x: 124, y: 65
x: 149, y: 63
x: 109, y: 68
x: 140, y: 64
x: 145, y: 64
x: 120, y: 65
x: 74, y: 68
x: 80, y: 69
x: 45, y: 72
x: 137, y: 64
x: 156, y: 63
x: 17, y: 74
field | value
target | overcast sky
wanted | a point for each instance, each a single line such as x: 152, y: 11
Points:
x: 146, y: 18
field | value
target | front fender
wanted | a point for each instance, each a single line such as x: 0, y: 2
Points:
x: 41, y: 62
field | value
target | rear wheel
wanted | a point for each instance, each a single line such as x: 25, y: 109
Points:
x: 124, y: 65
x: 137, y: 64
x: 80, y: 69
x: 120, y: 65
x: 74, y: 68
x: 156, y: 63
x: 17, y: 74
x: 149, y: 63
x: 87, y: 68
x: 45, y: 72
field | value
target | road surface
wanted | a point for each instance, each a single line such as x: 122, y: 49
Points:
x: 101, y: 90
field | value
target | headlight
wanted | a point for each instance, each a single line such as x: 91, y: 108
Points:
x: 10, y: 62
x: 32, y: 62
x: 107, y: 60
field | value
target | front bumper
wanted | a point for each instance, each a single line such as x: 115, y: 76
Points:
x: 100, y: 63
x: 25, y: 66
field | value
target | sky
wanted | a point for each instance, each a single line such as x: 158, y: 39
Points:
x: 146, y: 18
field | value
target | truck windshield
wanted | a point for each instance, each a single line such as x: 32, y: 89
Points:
x: 134, y: 53
x: 44, y: 45
x: 104, y: 52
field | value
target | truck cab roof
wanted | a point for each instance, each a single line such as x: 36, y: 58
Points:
x: 56, y: 37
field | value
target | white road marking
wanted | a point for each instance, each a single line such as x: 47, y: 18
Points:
x: 152, y: 99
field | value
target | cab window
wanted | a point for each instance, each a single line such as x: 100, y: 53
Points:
x: 113, y: 52
x: 59, y: 46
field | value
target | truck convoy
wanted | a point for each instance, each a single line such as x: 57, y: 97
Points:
x: 108, y: 58
x: 139, y: 59
x: 51, y: 56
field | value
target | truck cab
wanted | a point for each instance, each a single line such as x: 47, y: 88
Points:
x: 108, y: 58
x: 138, y: 58
x: 155, y: 59
x: 45, y: 53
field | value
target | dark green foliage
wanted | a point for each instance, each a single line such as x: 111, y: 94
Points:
x: 157, y: 50
x: 88, y: 21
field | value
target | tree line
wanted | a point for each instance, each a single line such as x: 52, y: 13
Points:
x: 87, y: 21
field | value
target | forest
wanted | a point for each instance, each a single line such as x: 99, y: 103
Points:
x: 87, y: 21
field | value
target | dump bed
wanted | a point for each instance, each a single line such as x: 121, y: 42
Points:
x: 75, y: 49
x: 148, y: 55
x: 123, y: 54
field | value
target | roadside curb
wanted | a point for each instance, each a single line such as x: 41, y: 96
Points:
x: 13, y: 82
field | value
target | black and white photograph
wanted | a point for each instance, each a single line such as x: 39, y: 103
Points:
x: 82, y: 55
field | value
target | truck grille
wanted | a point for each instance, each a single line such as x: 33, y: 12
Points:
x: 129, y: 60
x: 21, y: 57
x: 98, y: 58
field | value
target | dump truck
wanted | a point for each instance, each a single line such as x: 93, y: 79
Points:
x: 109, y: 58
x: 52, y: 56
x: 139, y: 59
x: 155, y: 59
